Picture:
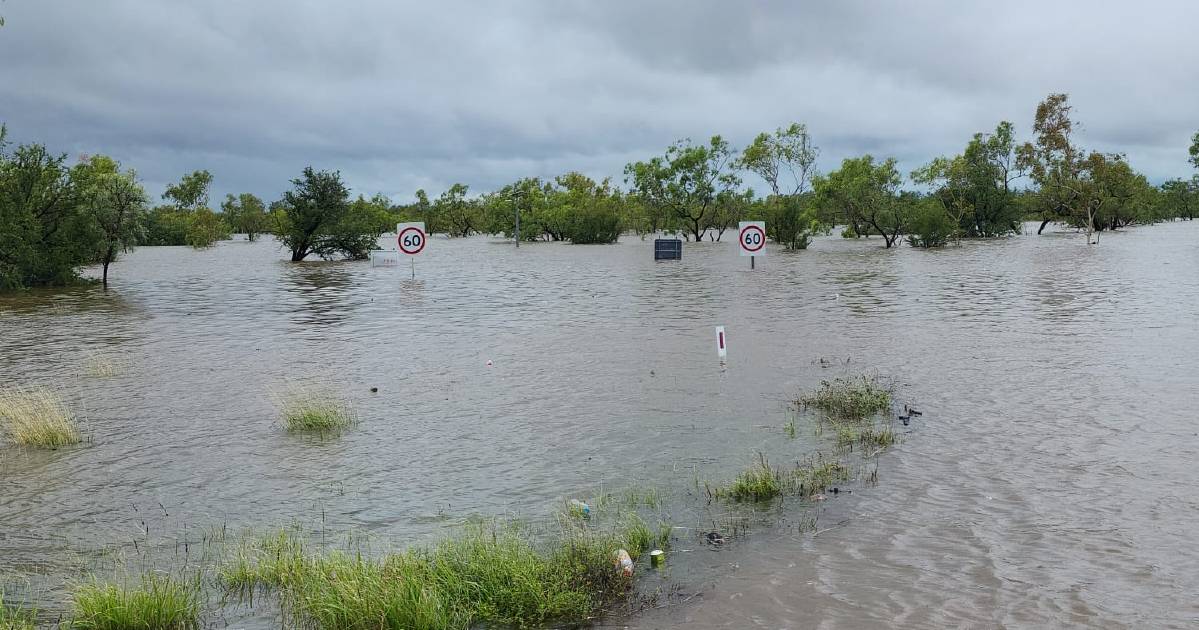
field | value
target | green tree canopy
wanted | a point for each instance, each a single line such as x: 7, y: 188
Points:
x: 685, y: 181
x: 116, y: 204
x: 864, y: 195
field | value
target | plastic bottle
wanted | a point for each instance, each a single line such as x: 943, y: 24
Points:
x: 624, y: 563
x: 580, y: 508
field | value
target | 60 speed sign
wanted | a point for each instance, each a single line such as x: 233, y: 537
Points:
x: 411, y: 238
x: 751, y: 238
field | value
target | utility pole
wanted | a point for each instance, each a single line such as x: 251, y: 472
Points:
x: 515, y: 196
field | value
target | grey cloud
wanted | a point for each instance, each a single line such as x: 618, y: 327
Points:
x: 403, y: 95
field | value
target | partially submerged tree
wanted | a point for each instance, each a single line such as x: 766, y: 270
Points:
x: 786, y: 160
x: 315, y: 219
x: 686, y: 181
x: 246, y: 214
x: 43, y: 234
x: 864, y: 195
x: 115, y: 202
x: 975, y: 187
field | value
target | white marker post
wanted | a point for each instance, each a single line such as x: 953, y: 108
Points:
x: 722, y: 348
x: 411, y: 238
x: 751, y: 239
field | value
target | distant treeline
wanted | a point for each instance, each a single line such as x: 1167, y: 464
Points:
x: 56, y: 217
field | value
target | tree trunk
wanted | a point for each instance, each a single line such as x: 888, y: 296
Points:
x: 1043, y: 224
x: 105, y: 281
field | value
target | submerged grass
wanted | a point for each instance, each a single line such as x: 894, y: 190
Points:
x: 16, y: 617
x: 762, y: 481
x: 493, y: 575
x: 38, y: 417
x: 100, y: 366
x: 158, y: 602
x: 315, y: 411
x: 849, y: 398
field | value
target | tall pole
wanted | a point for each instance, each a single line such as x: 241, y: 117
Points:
x: 516, y: 204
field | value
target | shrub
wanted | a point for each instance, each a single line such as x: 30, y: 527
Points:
x: 594, y: 224
x: 930, y: 225
x: 38, y: 417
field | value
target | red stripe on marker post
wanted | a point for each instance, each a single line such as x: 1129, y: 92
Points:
x: 721, y: 349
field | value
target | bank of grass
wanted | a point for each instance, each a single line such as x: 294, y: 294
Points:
x: 869, y: 437
x: 851, y: 398
x: 37, y: 417
x: 314, y: 410
x: 490, y: 575
x: 761, y: 481
x: 156, y: 602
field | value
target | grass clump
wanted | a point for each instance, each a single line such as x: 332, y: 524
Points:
x: 756, y: 483
x: 849, y: 398
x: 489, y: 575
x: 38, y: 417
x: 762, y: 481
x: 99, y: 366
x: 16, y: 617
x: 158, y: 602
x: 314, y: 411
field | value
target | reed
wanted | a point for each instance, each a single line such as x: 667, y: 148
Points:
x: 38, y: 417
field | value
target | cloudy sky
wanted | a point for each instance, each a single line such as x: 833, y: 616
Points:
x: 404, y: 95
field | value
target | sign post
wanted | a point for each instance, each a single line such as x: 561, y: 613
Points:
x: 751, y: 239
x: 411, y: 238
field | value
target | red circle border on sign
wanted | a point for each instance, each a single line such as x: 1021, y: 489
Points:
x: 741, y: 238
x: 400, y: 240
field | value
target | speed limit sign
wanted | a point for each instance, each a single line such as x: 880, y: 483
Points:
x: 411, y: 238
x: 751, y: 238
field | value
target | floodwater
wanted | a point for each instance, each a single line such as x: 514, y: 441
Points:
x: 1051, y: 481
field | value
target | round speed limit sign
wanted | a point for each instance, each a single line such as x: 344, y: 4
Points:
x: 411, y: 238
x: 751, y: 238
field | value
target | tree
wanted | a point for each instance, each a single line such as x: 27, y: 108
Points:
x: 191, y: 192
x: 1179, y: 198
x: 115, y: 202
x: 318, y: 202
x: 686, y: 181
x: 454, y: 214
x: 786, y: 160
x: 43, y: 234
x: 246, y: 214
x: 864, y: 195
x: 1195, y: 150
x: 1066, y: 175
x: 975, y: 187
x: 930, y: 225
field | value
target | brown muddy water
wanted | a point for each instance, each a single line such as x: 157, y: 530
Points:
x: 1051, y: 481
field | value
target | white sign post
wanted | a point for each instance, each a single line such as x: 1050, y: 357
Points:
x: 411, y: 238
x: 751, y: 239
x: 722, y: 348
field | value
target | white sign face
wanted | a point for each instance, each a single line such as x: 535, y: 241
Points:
x: 751, y: 238
x: 411, y: 238
x: 385, y: 258
x: 722, y: 346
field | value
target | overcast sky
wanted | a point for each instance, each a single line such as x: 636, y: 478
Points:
x: 406, y: 95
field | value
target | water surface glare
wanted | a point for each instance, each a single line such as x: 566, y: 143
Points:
x: 1050, y: 482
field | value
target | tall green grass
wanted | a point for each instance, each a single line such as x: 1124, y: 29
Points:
x: 38, y: 417
x: 157, y: 602
x: 16, y: 617
x: 492, y: 575
x: 312, y: 410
